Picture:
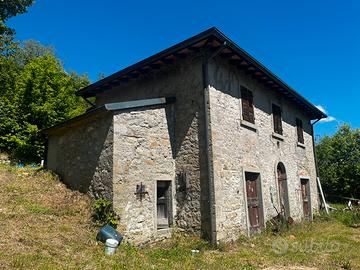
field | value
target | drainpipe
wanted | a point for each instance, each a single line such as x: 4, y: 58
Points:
x: 317, y: 168
x: 208, y: 141
x: 313, y: 142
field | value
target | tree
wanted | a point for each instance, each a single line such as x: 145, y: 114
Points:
x: 37, y: 93
x: 35, y: 90
x: 8, y: 9
x: 339, y: 162
x: 29, y: 50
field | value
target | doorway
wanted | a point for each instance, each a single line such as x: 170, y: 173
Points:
x: 283, y: 190
x: 254, y: 202
x: 163, y: 204
x: 305, y: 196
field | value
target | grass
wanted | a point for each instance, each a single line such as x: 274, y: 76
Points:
x: 43, y: 225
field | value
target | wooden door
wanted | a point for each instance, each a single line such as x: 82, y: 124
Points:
x: 253, y: 195
x: 283, y: 191
x: 163, y: 204
x: 305, y: 195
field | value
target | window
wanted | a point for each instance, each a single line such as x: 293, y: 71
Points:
x: 299, y: 128
x: 247, y: 105
x: 163, y: 204
x: 276, y: 110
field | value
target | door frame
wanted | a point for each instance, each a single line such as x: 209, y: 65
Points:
x: 309, y: 195
x: 172, y: 211
x: 261, y: 199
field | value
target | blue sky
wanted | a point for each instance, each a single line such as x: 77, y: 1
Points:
x: 312, y: 45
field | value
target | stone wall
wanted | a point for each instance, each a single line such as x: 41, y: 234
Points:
x: 238, y: 148
x: 108, y: 155
x: 182, y: 80
x: 81, y: 154
x: 142, y: 154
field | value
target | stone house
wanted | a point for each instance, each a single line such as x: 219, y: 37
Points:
x: 200, y: 136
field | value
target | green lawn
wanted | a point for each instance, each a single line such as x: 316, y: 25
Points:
x: 43, y: 225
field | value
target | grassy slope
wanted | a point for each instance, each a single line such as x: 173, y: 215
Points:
x: 43, y: 225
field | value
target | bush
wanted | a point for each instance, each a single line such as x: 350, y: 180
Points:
x: 103, y: 213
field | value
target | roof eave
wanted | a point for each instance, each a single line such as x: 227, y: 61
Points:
x: 210, y: 33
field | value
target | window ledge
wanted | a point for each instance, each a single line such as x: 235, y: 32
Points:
x: 302, y: 145
x: 248, y: 125
x: 278, y: 136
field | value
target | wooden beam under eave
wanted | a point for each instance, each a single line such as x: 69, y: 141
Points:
x: 235, y: 57
x: 258, y: 73
x: 214, y: 43
x: 170, y: 57
x: 157, y: 64
x: 185, y: 51
x: 227, y: 50
x: 199, y: 44
x: 179, y: 55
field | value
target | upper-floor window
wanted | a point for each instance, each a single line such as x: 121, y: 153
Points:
x: 247, y: 105
x: 276, y: 110
x: 300, y: 132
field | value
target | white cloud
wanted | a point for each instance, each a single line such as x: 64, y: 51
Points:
x: 327, y: 119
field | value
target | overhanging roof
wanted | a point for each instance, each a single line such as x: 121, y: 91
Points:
x: 212, y: 39
x: 117, y: 106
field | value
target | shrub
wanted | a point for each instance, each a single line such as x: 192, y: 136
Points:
x: 103, y: 213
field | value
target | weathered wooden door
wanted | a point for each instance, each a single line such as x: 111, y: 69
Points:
x: 254, y: 202
x: 305, y: 195
x: 163, y: 204
x: 283, y: 191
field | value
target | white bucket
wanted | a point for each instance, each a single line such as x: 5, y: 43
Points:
x: 110, y: 246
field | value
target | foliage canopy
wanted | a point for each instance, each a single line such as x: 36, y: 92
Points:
x: 8, y: 9
x: 35, y: 93
x: 339, y: 162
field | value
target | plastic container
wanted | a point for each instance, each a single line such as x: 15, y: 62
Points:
x: 108, y: 232
x: 111, y: 246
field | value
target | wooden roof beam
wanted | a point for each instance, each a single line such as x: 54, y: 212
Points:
x: 199, y: 44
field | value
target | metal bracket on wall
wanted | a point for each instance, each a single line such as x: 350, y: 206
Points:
x: 140, y: 191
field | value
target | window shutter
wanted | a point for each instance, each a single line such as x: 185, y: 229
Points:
x: 300, y: 131
x: 277, y: 119
x: 247, y: 105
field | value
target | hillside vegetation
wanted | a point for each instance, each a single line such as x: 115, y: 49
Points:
x: 43, y: 225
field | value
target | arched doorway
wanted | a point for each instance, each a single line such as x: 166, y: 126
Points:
x: 283, y: 190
